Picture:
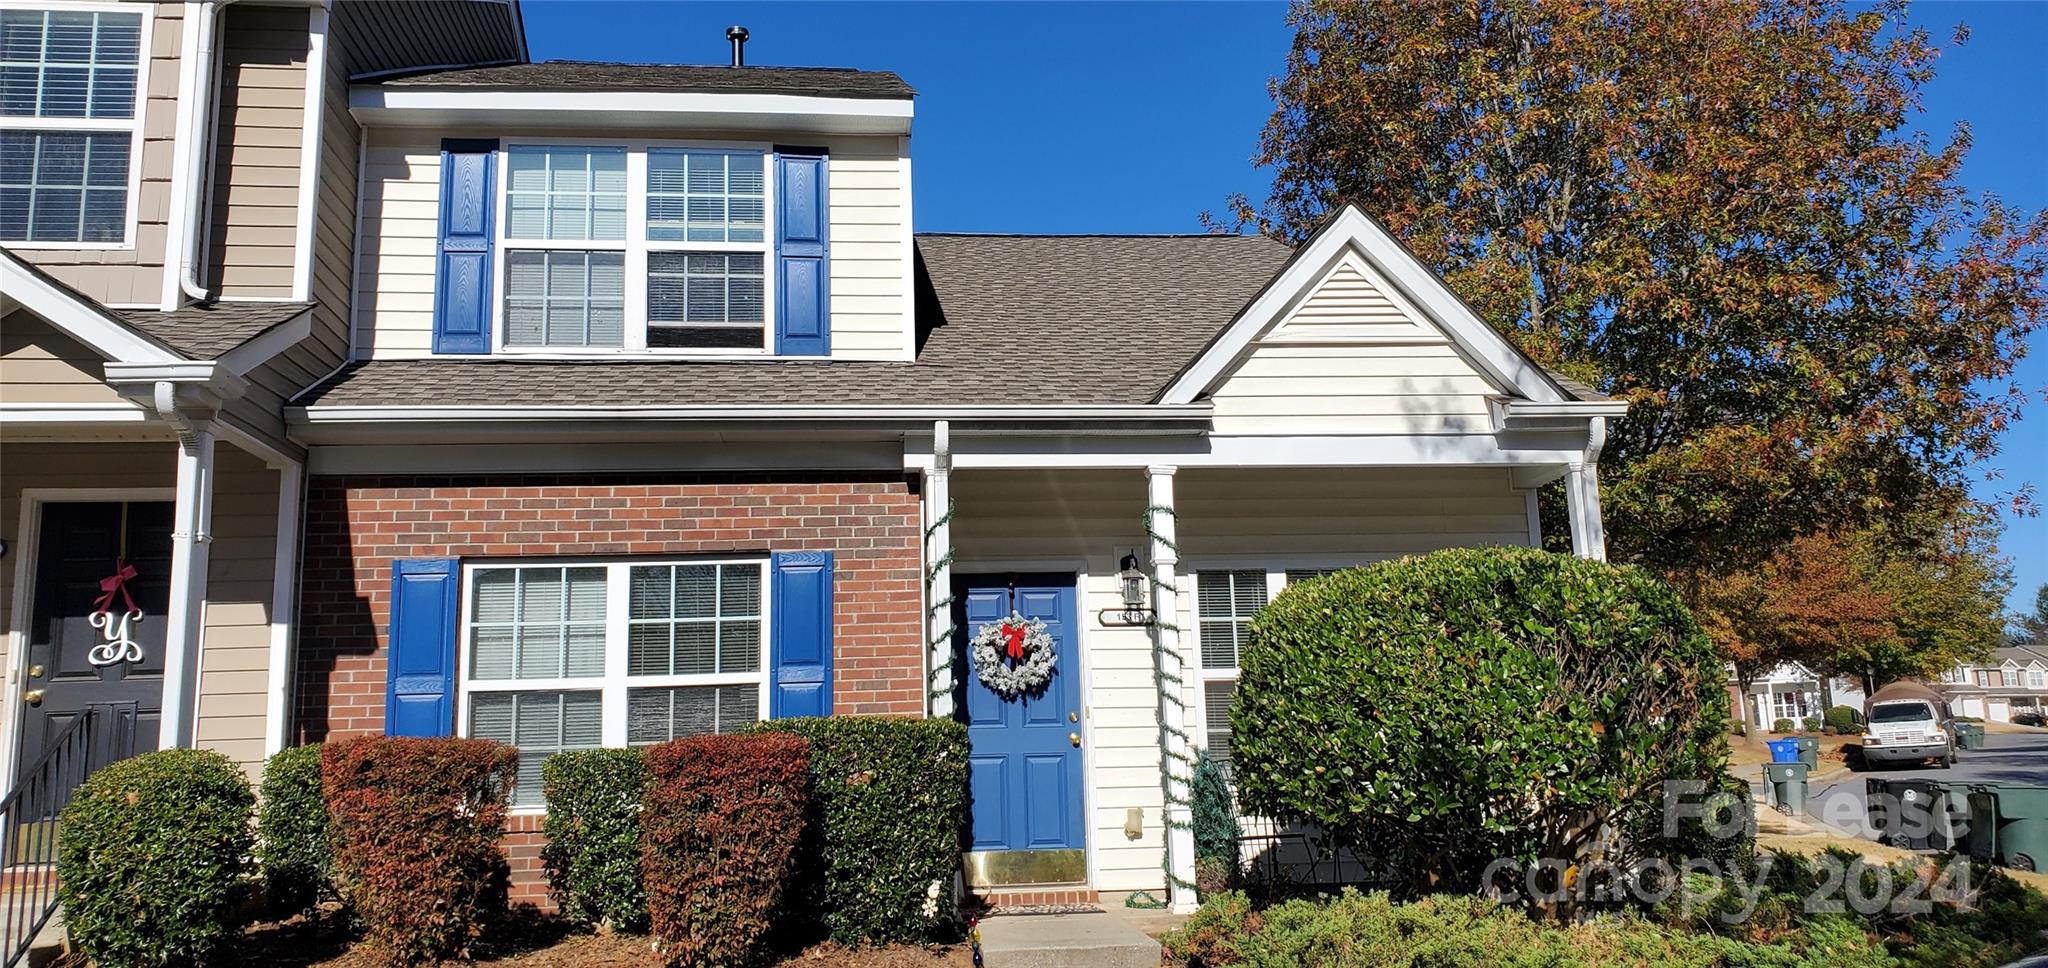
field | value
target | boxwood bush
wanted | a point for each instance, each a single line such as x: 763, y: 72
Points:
x: 889, y: 800
x: 719, y: 835
x: 150, y: 857
x: 291, y: 830
x: 1441, y: 711
x: 415, y: 828
x: 593, y: 830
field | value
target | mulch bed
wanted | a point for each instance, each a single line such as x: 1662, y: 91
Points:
x: 529, y: 941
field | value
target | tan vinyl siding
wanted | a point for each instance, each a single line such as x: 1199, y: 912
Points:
x: 133, y: 275
x: 1282, y: 516
x: 401, y: 222
x: 39, y: 364
x: 253, y: 235
x: 234, y: 669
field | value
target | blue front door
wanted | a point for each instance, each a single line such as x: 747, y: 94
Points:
x: 1024, y: 751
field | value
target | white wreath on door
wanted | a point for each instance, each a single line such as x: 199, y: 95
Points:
x: 996, y: 670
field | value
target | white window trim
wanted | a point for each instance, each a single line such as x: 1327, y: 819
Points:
x: 1276, y: 568
x: 134, y: 124
x: 636, y: 246
x: 612, y: 686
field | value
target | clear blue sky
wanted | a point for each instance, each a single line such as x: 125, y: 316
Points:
x: 1136, y: 117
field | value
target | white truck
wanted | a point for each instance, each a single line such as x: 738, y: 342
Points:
x: 1908, y: 722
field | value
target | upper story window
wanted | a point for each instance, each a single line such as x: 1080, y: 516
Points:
x: 70, y: 98
x: 634, y: 247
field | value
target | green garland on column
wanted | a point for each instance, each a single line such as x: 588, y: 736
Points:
x: 941, y: 682
x: 1169, y: 683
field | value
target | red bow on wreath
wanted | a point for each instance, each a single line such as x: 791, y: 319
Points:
x: 1013, y: 640
x: 116, y: 584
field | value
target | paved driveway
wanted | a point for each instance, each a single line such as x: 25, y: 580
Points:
x: 2006, y: 758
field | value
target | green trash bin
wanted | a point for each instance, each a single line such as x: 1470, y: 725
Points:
x: 1788, y: 786
x: 2009, y: 824
x: 1970, y: 736
x: 1809, y: 751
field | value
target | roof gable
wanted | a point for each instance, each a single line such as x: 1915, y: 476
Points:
x: 1349, y: 237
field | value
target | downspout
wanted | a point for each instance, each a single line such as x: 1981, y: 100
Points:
x: 195, y: 102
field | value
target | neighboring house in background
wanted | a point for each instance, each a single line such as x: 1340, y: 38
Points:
x: 2012, y: 681
x: 1791, y: 691
x: 626, y: 405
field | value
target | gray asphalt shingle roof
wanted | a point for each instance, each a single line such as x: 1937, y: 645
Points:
x: 562, y: 75
x: 1011, y: 319
x: 205, y: 332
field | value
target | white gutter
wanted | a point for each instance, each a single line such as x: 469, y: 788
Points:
x: 373, y: 413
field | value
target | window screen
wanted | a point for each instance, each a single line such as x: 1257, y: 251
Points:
x: 540, y: 724
x: 706, y: 196
x: 68, y: 185
x: 537, y: 623
x: 565, y: 193
x: 565, y: 298
x: 695, y: 620
x: 68, y: 64
x: 705, y: 299
x: 660, y: 715
x: 1216, y: 699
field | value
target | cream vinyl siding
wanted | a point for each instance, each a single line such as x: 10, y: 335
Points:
x: 401, y: 195
x: 39, y: 364
x: 1353, y: 357
x: 1291, y: 517
x: 254, y: 230
x: 133, y: 276
x: 235, y: 643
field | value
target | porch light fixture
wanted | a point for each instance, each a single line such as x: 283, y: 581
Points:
x: 1133, y: 580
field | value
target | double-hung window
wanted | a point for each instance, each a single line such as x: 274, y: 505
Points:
x: 70, y: 103
x: 633, y: 247
x: 1225, y: 601
x: 2009, y: 677
x: 561, y: 657
x: 2034, y: 678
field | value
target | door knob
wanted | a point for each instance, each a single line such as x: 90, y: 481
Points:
x: 34, y: 697
x: 35, y: 671
x: 1074, y: 738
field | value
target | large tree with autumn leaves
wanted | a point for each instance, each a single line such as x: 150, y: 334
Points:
x: 1713, y: 209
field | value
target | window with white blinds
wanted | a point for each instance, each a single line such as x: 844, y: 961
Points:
x: 70, y: 103
x: 635, y: 246
x: 562, y: 657
x: 1225, y: 601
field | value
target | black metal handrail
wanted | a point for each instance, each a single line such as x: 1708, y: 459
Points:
x: 98, y: 735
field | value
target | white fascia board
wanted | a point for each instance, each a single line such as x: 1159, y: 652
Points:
x: 1570, y: 408
x: 268, y: 344
x: 79, y: 318
x: 117, y: 411
x: 670, y: 110
x: 1350, y: 228
x: 319, y: 415
x: 1546, y: 457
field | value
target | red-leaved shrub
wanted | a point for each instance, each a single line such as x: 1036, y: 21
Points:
x: 415, y: 826
x: 718, y: 837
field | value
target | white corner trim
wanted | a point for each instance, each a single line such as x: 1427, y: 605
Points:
x: 314, y: 113
x: 284, y: 587
x: 908, y: 352
x: 1350, y: 229
x: 79, y: 318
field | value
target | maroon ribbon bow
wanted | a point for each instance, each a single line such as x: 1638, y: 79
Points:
x: 116, y: 584
x: 1013, y: 641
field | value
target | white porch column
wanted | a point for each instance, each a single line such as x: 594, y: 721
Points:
x: 938, y: 563
x: 1176, y: 763
x: 191, y: 542
x: 1582, y: 497
x: 284, y: 593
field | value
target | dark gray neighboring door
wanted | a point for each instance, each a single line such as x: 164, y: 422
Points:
x: 80, y: 544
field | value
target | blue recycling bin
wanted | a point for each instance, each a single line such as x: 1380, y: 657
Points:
x: 1784, y: 750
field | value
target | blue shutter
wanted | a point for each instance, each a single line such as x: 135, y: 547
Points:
x: 462, y: 284
x: 800, y: 651
x: 803, y: 311
x: 419, y: 698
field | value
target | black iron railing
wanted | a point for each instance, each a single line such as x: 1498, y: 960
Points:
x: 98, y: 735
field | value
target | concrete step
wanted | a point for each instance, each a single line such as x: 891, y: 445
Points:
x: 1066, y: 941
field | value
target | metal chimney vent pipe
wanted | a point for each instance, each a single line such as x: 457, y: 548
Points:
x: 738, y: 35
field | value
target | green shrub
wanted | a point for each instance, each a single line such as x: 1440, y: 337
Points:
x: 719, y: 835
x: 291, y: 830
x: 1783, y: 725
x: 1812, y: 724
x: 1439, y: 712
x: 593, y: 830
x: 1214, y: 814
x: 415, y: 825
x: 1842, y: 719
x: 1354, y: 930
x: 150, y: 857
x: 889, y: 801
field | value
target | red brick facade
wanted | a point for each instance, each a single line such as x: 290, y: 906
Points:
x: 356, y: 526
